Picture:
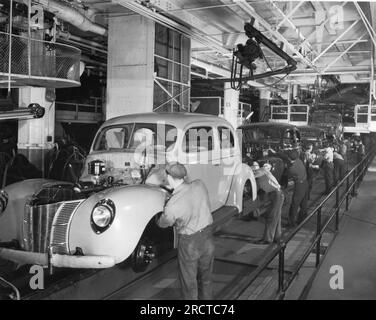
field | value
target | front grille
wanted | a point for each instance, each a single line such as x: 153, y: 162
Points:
x: 60, y: 227
x: 37, y: 224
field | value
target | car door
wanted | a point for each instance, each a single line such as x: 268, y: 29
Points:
x: 197, y: 154
x: 227, y: 159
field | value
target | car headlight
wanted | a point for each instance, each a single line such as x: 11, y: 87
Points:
x: 102, y: 215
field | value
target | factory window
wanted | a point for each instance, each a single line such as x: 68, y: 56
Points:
x: 172, y: 71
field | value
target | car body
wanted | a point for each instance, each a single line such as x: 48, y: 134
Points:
x: 314, y: 135
x: 330, y: 121
x: 260, y: 138
x: 110, y: 214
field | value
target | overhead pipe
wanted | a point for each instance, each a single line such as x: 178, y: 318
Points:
x: 71, y: 15
x: 68, y: 36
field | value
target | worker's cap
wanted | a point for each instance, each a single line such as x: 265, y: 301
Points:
x: 255, y: 165
x: 267, y: 166
x: 176, y: 170
x: 294, y: 154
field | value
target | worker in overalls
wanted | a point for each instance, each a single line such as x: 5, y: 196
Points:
x: 297, y: 171
x: 269, y: 184
x: 328, y: 168
x: 188, y: 210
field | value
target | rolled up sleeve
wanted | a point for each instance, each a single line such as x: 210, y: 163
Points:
x: 167, y: 218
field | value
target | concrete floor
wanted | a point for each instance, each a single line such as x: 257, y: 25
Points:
x: 354, y: 249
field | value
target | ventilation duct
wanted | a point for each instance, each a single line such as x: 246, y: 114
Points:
x: 71, y: 15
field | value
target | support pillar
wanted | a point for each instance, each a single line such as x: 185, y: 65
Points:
x: 231, y: 105
x: 264, y: 113
x: 295, y: 93
x: 130, y: 66
x: 36, y: 136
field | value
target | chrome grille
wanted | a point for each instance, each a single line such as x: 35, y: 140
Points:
x: 60, y: 227
x: 37, y: 224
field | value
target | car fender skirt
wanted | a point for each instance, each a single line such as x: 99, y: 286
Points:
x: 57, y: 260
x: 24, y: 257
x: 82, y: 262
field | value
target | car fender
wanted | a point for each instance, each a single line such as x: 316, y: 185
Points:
x: 11, y: 220
x: 242, y: 173
x: 135, y: 206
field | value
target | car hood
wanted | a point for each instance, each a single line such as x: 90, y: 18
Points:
x: 124, y: 165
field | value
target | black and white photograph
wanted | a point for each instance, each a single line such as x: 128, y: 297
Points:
x: 186, y: 156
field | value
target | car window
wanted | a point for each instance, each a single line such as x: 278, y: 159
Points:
x: 255, y: 134
x: 113, y: 138
x: 133, y: 135
x: 226, y: 138
x: 198, y: 139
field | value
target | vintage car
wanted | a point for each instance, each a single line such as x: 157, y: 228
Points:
x: 260, y: 140
x: 330, y: 121
x: 109, y: 215
x: 314, y: 135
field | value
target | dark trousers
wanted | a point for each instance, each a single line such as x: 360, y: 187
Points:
x: 272, y: 230
x: 195, y: 260
x: 328, y: 169
x: 299, y: 200
x: 311, y: 173
x: 339, y: 170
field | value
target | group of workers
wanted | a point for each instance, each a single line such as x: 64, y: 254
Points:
x: 188, y: 209
x: 303, y: 167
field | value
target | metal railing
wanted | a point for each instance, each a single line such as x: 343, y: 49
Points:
x: 27, y: 61
x: 79, y: 111
x: 351, y: 182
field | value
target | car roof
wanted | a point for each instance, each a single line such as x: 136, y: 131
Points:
x: 269, y: 124
x: 178, y: 119
x: 310, y: 128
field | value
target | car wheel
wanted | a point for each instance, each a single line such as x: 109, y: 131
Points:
x: 143, y: 255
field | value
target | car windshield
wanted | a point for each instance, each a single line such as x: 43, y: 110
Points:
x: 133, y: 135
x: 257, y: 134
x: 308, y: 134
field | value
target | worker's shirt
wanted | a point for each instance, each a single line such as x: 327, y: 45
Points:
x: 308, y: 158
x: 297, y: 171
x: 266, y: 180
x: 337, y: 156
x: 188, y: 209
x: 361, y: 149
x: 328, y: 155
x: 343, y: 150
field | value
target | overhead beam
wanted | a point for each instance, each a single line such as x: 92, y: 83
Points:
x: 343, y: 53
x: 286, y: 17
x: 335, y: 41
x: 342, y: 70
x: 323, y: 23
x: 220, y: 71
x: 245, y: 6
x: 338, y: 42
x: 368, y: 26
x: 190, y: 32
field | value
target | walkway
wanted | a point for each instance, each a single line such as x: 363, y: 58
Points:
x: 354, y: 249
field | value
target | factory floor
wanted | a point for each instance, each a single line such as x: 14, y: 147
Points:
x: 352, y: 256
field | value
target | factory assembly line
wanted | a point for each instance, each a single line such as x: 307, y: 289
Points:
x: 187, y: 150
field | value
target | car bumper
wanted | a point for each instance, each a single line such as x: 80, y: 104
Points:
x: 57, y: 260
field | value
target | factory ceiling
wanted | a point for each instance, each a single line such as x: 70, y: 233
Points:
x: 325, y: 38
